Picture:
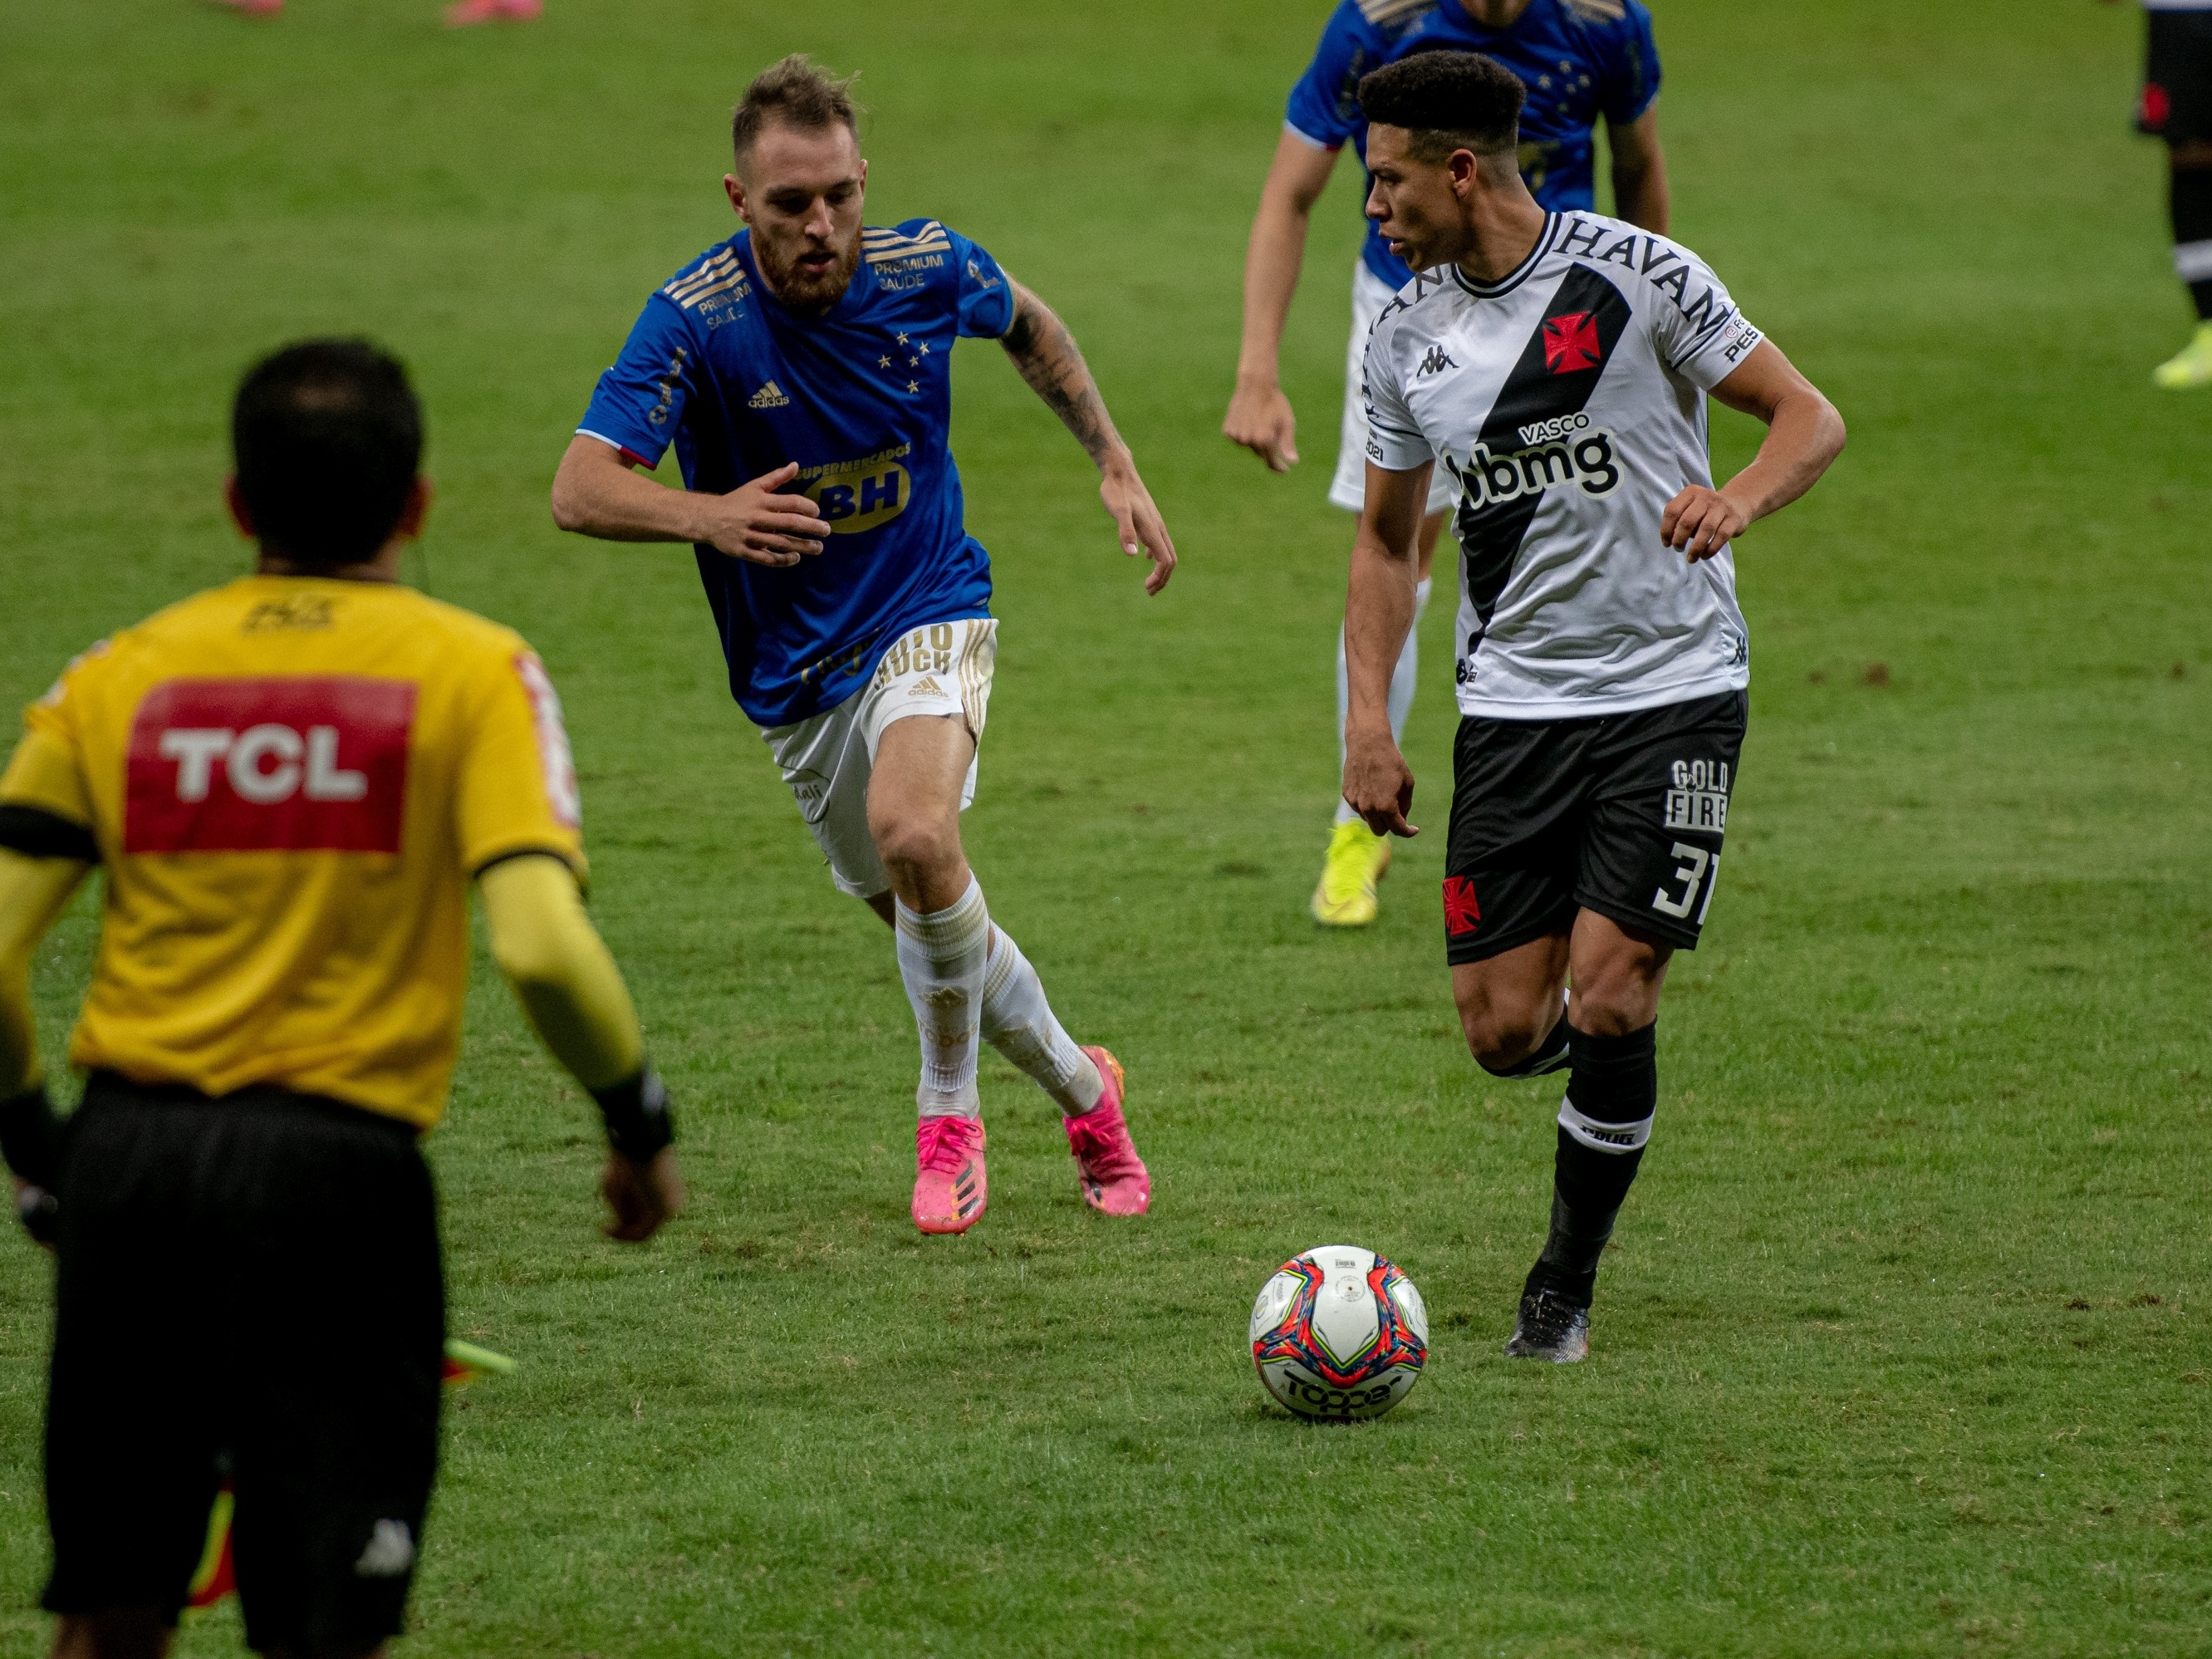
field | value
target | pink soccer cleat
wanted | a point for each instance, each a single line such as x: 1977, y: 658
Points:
x: 464, y: 13
x: 949, y: 1189
x: 1114, y: 1180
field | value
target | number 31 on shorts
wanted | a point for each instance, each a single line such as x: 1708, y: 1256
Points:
x: 1699, y: 873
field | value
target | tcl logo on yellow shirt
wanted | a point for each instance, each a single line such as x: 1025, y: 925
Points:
x: 278, y: 764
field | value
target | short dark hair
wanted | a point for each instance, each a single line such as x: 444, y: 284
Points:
x: 797, y: 94
x: 327, y: 437
x: 1446, y: 100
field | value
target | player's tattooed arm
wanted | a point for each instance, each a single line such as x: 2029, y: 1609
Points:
x: 1804, y: 434
x: 1047, y: 357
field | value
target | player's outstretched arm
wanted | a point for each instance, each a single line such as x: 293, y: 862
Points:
x: 1378, y: 611
x: 1046, y: 353
x: 1259, y: 416
x: 596, y: 493
x: 574, y: 997
x: 1804, y: 434
x: 33, y: 891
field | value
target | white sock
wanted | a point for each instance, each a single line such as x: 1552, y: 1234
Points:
x: 940, y: 957
x: 1403, y: 680
x: 1019, y: 1023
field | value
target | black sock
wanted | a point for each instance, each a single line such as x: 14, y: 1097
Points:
x: 1550, y: 1054
x: 2191, y: 201
x: 1604, y: 1123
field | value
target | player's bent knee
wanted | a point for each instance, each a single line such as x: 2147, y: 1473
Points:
x: 915, y: 849
x: 1500, y: 1039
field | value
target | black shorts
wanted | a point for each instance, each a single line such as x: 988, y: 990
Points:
x: 2176, y: 95
x: 1621, y: 814
x: 248, y: 1289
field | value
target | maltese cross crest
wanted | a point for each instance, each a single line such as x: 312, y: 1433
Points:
x: 1462, y: 914
x: 1571, y: 342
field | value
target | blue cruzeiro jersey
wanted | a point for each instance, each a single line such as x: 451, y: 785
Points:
x: 1581, y: 60
x: 861, y: 398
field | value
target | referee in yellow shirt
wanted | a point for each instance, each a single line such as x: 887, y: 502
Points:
x: 291, y: 782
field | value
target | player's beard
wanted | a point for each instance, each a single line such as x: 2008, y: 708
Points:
x: 811, y: 293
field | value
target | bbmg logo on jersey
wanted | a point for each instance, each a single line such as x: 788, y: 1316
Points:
x: 857, y: 495
x: 1566, y: 449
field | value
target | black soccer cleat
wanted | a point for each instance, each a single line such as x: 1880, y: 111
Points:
x: 1550, y: 1328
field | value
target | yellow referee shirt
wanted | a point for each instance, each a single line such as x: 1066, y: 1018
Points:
x: 291, y: 781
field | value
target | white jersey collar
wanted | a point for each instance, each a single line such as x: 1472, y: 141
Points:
x: 1519, y: 274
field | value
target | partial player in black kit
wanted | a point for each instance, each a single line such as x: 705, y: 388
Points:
x: 2176, y: 106
x: 1556, y: 365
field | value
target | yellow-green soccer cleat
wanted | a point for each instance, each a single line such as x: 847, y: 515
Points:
x: 2189, y: 368
x: 1356, y: 860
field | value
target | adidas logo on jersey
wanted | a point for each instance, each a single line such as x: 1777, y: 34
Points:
x: 1588, y: 461
x: 769, y: 396
x: 1435, y: 364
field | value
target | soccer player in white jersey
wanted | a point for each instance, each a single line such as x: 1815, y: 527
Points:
x: 1556, y: 365
x: 1584, y: 62
x: 802, y: 369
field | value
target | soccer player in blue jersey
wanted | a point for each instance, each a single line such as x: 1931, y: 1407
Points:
x: 801, y: 370
x: 1582, y: 61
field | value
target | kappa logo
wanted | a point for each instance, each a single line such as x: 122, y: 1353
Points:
x: 1571, y: 342
x: 1462, y: 914
x: 1435, y: 364
x: 770, y: 396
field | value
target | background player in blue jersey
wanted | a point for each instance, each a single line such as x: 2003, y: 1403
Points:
x: 1582, y: 61
x: 801, y: 369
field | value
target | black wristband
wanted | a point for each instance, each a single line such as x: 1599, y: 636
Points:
x: 31, y: 1138
x: 639, y: 1123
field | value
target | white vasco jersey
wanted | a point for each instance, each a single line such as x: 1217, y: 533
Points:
x: 1567, y: 400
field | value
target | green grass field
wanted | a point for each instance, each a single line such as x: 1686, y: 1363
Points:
x: 1904, y: 1346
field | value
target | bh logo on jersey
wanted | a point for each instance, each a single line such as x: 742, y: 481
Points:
x: 269, y: 765
x: 1699, y: 796
x: 1566, y: 449
x: 858, y: 495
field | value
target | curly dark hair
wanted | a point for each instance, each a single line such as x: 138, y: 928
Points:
x: 798, y: 94
x: 1448, y: 101
x: 327, y: 436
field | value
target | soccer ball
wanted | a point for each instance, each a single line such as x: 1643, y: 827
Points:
x: 1339, y: 1332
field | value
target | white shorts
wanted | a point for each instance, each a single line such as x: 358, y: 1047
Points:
x: 1348, y: 490
x: 942, y: 668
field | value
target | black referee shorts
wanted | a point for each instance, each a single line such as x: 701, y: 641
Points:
x: 2176, y: 95
x: 247, y: 1288
x: 1621, y: 814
